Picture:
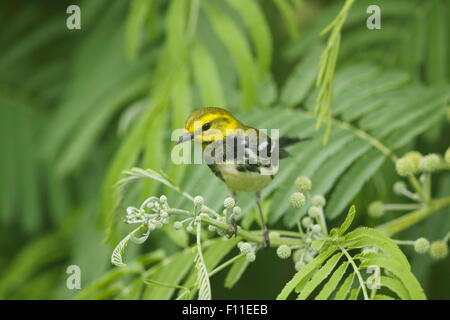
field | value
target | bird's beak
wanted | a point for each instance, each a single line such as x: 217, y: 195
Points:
x: 185, y: 137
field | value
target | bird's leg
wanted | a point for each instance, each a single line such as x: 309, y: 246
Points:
x: 233, y: 226
x: 266, y: 241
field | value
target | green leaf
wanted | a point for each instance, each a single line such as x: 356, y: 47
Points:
x: 352, y: 182
x: 139, y: 10
x: 345, y: 287
x: 254, y: 18
x: 236, y: 272
x: 382, y: 297
x: 204, y: 292
x: 301, y: 79
x: 332, y: 283
x: 402, y: 273
x: 395, y: 286
x: 348, y: 221
x: 31, y: 259
x: 288, y: 16
x: 239, y: 49
x: 128, y: 152
x: 81, y: 145
x: 215, y: 252
x: 181, y: 103
x: 207, y: 76
x: 437, y: 54
x: 176, y: 31
x: 170, y: 271
x: 305, y: 271
x: 366, y: 237
x: 319, y: 276
x: 116, y: 257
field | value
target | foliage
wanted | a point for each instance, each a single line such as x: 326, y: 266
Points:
x: 78, y: 108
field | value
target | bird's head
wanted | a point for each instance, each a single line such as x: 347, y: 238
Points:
x: 206, y: 125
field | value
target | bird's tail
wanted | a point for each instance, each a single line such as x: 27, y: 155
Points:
x: 288, y: 141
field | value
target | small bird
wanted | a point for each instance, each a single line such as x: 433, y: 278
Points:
x: 246, y: 159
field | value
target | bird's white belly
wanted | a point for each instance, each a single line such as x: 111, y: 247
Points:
x: 243, y: 180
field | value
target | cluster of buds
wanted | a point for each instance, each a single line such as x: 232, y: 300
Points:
x: 152, y: 213
x: 414, y: 162
x: 409, y: 165
x: 314, y: 222
x: 438, y: 249
x: 303, y: 256
x: 313, y: 225
x: 191, y: 221
x: 249, y: 249
x: 231, y: 211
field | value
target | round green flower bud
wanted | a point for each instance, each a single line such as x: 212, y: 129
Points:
x: 399, y: 187
x: 314, y: 212
x: 421, y: 245
x: 376, y: 209
x: 158, y: 224
x: 429, y: 163
x: 306, y: 222
x: 250, y: 257
x: 212, y: 228
x: 415, y: 157
x: 190, y: 228
x: 299, y: 265
x: 164, y: 214
x: 297, y: 255
x: 447, y: 155
x: 237, y: 211
x: 308, y: 240
x: 198, y: 201
x: 298, y: 200
x: 245, y: 248
x: 152, y: 226
x: 228, y: 203
x: 308, y: 257
x: 318, y: 201
x: 284, y: 251
x: 303, y: 184
x: 316, y: 228
x: 405, y: 166
x: 163, y: 199
x: 178, y: 225
x: 439, y: 250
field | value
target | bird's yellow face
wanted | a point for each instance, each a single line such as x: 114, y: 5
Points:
x: 209, y: 124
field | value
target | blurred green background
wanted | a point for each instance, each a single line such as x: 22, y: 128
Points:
x: 77, y: 107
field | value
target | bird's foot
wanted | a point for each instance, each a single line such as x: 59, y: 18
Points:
x: 233, y: 229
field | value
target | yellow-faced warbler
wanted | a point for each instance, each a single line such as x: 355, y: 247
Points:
x: 244, y: 158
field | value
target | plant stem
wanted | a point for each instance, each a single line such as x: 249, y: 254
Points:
x: 225, y: 264
x: 252, y: 236
x: 404, y: 242
x: 415, y: 183
x: 403, y: 222
x: 402, y: 206
x: 358, y: 274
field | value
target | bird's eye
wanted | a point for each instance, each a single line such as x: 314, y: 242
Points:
x: 206, y: 126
